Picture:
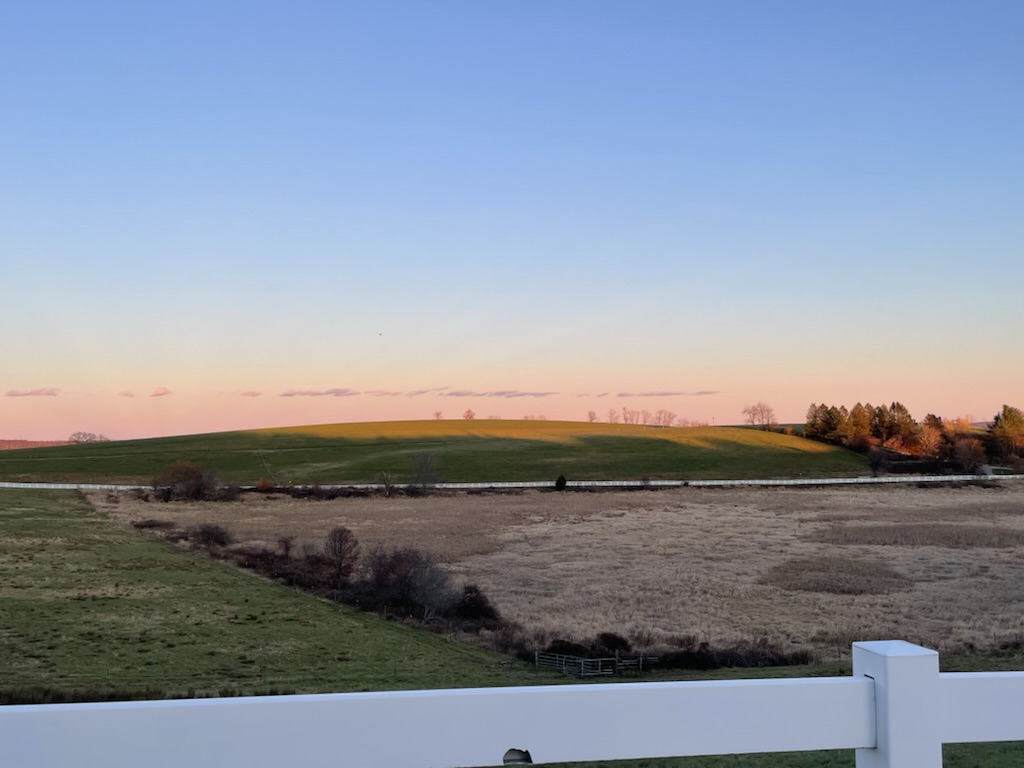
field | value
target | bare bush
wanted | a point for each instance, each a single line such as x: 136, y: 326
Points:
x: 425, y: 469
x: 211, y: 535
x: 185, y: 481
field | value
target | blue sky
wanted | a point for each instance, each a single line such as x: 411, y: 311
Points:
x: 790, y: 202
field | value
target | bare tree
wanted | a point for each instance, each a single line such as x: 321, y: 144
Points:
x: 664, y: 418
x: 760, y: 415
x: 341, y: 548
x: 613, y: 416
x: 425, y: 469
x: 591, y: 416
x: 437, y: 415
x: 469, y: 414
x: 87, y: 437
x: 645, y: 417
x: 388, y: 482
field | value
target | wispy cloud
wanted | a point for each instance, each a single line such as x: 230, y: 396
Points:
x: 125, y: 393
x: 418, y: 392
x: 251, y: 393
x: 337, y: 392
x: 382, y: 393
x: 41, y: 392
x: 160, y: 392
x: 508, y: 393
x: 701, y: 393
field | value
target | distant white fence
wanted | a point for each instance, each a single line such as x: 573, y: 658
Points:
x: 896, y: 710
x: 511, y: 485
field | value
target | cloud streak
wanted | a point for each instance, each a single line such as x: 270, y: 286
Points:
x: 419, y: 392
x: 161, y: 392
x: 125, y: 393
x: 251, y: 393
x: 506, y: 393
x: 336, y: 392
x: 700, y: 393
x: 41, y: 392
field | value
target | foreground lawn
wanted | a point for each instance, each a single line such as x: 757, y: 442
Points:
x: 87, y: 606
x: 461, y: 450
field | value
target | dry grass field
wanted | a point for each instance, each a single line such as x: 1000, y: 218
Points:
x: 801, y: 568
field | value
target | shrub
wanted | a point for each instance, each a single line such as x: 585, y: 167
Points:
x: 406, y: 582
x: 609, y: 641
x: 228, y: 493
x: 151, y: 524
x: 560, y: 483
x: 567, y: 648
x: 185, y: 481
x: 211, y: 535
x: 474, y: 607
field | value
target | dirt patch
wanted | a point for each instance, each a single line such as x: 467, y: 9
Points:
x: 836, y: 575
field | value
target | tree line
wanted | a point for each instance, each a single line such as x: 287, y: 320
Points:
x: 866, y: 427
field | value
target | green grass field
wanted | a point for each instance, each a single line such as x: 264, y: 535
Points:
x: 85, y: 605
x: 463, y: 450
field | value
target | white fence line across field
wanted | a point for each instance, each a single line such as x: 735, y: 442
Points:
x: 511, y: 485
x: 896, y: 711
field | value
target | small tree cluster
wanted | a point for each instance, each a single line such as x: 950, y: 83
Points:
x: 760, y: 415
x: 185, y: 481
x: 87, y: 437
x: 863, y: 426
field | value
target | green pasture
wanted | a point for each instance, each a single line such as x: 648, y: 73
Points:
x: 464, y: 451
x: 87, y: 606
x: 89, y: 610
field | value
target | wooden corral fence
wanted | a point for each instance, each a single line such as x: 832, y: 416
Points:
x: 581, y: 666
x: 896, y: 711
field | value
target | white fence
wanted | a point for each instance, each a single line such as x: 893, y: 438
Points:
x: 499, y: 485
x: 896, y: 710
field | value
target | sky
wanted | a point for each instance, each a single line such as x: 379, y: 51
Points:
x: 223, y: 215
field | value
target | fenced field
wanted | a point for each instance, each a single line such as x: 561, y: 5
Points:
x: 800, y: 568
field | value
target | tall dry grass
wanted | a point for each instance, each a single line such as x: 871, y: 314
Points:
x: 800, y: 568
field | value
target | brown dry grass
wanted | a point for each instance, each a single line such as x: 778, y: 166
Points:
x: 939, y: 566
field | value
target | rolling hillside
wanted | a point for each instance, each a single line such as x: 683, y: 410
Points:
x: 460, y: 451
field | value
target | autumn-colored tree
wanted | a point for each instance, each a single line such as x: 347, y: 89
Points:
x: 1008, y: 430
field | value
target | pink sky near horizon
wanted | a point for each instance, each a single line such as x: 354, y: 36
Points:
x: 53, y: 413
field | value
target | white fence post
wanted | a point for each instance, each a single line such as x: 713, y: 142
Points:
x: 906, y: 704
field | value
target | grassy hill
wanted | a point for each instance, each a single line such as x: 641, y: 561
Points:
x: 462, y: 451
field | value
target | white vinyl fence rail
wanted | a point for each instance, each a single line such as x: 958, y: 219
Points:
x: 896, y: 710
x: 516, y: 484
